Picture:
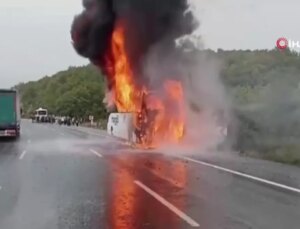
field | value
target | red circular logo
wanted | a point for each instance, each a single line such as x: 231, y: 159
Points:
x: 282, y: 43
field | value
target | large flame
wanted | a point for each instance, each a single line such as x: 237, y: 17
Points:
x: 159, y: 117
x: 126, y: 95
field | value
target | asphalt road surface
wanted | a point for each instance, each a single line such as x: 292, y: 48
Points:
x: 62, y: 178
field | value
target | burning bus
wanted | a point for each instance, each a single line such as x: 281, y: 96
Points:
x: 157, y: 120
x: 134, y: 44
x: 157, y: 113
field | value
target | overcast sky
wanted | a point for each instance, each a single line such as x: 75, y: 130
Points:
x: 35, y: 34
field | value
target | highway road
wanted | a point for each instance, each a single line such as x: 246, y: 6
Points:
x: 71, y: 178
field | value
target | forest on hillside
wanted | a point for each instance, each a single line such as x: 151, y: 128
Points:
x: 264, y: 87
x: 76, y: 92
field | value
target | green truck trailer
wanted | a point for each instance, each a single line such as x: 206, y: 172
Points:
x: 10, y: 113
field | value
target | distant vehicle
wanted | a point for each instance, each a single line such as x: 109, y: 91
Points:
x: 10, y: 113
x: 41, y: 115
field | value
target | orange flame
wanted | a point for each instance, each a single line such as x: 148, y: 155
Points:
x: 126, y: 95
x: 166, y: 124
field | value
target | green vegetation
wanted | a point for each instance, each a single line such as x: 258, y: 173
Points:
x: 265, y: 90
x: 76, y: 92
x: 264, y: 86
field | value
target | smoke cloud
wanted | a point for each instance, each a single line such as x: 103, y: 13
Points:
x: 160, y: 44
x: 146, y: 23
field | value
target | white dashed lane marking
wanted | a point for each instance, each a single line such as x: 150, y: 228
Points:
x: 170, y: 206
x: 22, y: 154
x: 96, y: 153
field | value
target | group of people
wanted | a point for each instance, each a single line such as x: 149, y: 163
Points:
x: 68, y: 121
x: 43, y: 119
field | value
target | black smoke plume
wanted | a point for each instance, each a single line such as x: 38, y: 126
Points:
x: 146, y: 23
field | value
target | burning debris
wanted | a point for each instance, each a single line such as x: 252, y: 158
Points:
x: 118, y: 36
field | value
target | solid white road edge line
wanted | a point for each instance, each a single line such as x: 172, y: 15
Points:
x: 163, y: 201
x: 22, y: 155
x: 96, y: 153
x: 244, y: 175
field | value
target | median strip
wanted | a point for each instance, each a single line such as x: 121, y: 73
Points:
x: 170, y: 206
x: 96, y: 153
x: 261, y: 180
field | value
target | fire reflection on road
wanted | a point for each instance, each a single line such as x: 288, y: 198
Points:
x: 122, y: 200
x: 130, y: 207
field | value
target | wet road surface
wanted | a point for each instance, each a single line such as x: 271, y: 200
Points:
x: 60, y: 178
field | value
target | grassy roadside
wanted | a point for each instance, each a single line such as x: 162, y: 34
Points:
x: 287, y: 155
